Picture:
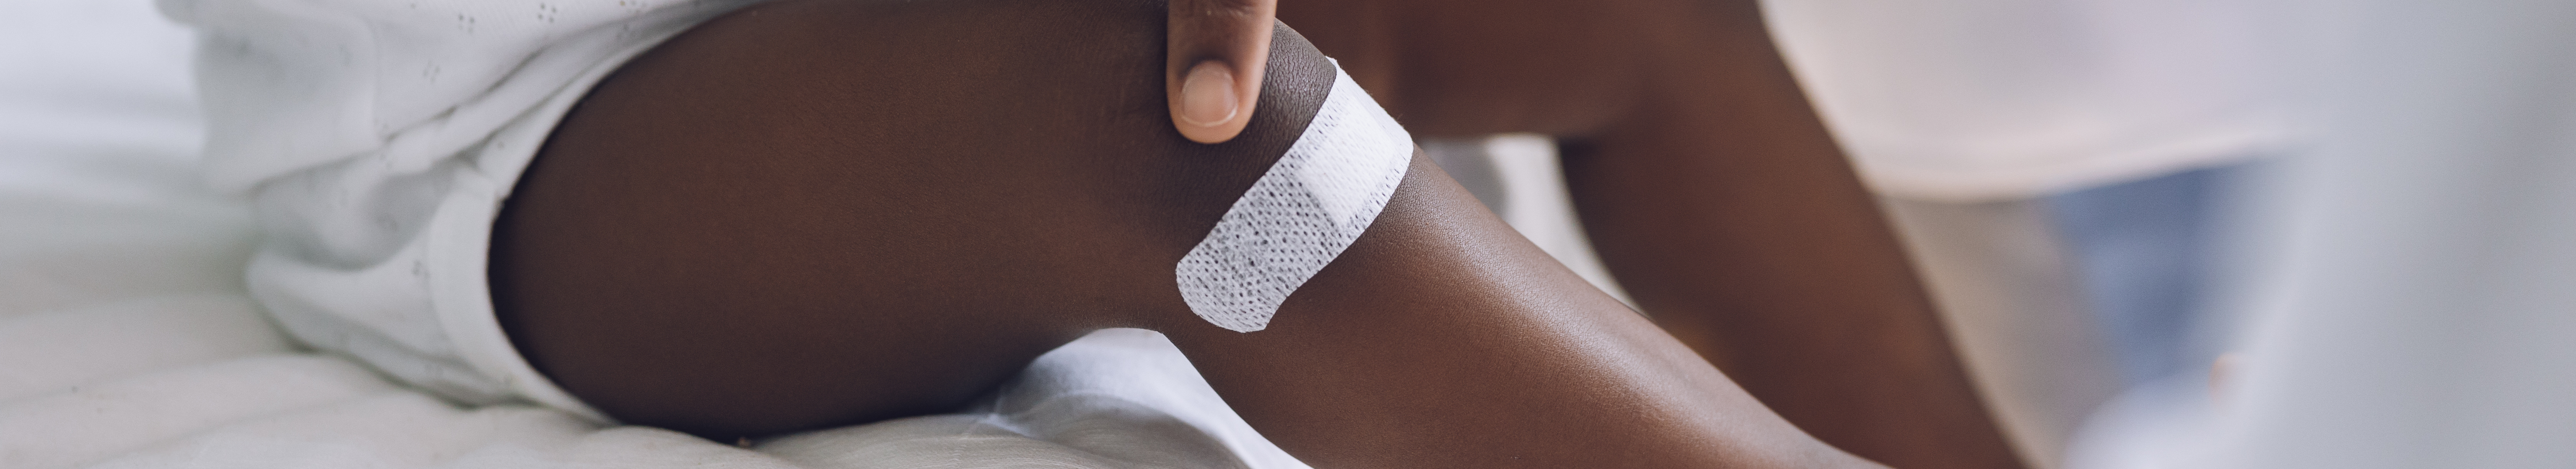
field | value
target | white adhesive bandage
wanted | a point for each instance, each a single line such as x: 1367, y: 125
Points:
x: 1302, y: 213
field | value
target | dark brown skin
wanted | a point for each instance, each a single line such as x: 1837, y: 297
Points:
x: 800, y: 215
x: 1709, y: 187
x: 817, y: 213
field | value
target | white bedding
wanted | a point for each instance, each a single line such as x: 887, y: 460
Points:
x: 126, y: 339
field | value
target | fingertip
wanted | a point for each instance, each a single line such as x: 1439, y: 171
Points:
x: 1218, y: 53
x: 1207, y: 95
x: 1209, y: 106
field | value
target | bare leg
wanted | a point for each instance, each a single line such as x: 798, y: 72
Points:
x: 813, y: 213
x: 1708, y: 185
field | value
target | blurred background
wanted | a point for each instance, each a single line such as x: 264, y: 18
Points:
x: 2368, y: 208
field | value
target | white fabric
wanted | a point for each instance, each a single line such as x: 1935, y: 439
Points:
x: 1972, y: 100
x: 1301, y: 214
x: 128, y: 341
x: 1999, y: 275
x: 2414, y: 290
x: 377, y: 140
x: 2420, y: 305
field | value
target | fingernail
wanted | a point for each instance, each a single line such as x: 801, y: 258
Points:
x: 1207, y: 95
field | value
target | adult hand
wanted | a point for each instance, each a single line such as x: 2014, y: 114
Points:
x: 1212, y: 73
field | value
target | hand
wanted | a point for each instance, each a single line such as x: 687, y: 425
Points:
x: 1212, y: 72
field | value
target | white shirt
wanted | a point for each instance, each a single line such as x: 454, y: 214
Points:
x: 1987, y: 99
x: 377, y: 139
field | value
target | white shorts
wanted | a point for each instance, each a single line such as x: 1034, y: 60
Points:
x: 378, y: 141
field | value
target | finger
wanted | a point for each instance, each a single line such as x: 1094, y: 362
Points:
x: 1212, y: 74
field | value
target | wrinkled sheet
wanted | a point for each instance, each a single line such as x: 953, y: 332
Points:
x: 126, y: 340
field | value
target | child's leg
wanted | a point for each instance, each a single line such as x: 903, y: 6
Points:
x: 814, y: 213
x: 1711, y: 189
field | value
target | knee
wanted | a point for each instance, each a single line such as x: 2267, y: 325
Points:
x: 921, y: 195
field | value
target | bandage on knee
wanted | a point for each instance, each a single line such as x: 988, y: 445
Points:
x: 1303, y: 212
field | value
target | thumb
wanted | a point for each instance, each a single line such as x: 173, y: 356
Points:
x: 1212, y: 72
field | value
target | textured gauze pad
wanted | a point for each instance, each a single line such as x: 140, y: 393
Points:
x: 1301, y: 214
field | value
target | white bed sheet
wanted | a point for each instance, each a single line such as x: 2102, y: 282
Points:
x: 126, y: 340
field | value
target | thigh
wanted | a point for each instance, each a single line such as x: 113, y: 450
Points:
x: 811, y: 213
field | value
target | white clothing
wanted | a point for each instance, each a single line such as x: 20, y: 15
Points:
x: 2006, y: 288
x: 377, y: 140
x: 2417, y: 287
x: 1993, y: 99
